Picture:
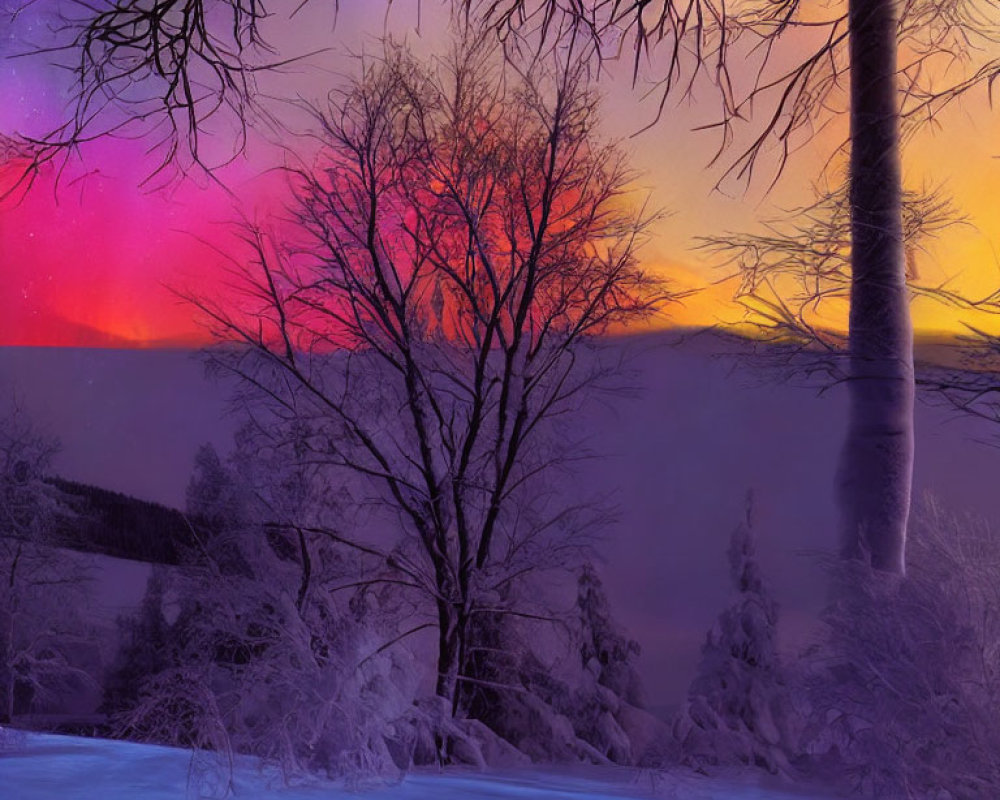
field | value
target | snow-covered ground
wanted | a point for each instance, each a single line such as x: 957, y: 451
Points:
x: 46, y: 767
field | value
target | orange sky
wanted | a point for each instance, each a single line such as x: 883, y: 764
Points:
x: 91, y: 264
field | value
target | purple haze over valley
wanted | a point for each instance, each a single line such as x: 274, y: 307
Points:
x: 678, y: 461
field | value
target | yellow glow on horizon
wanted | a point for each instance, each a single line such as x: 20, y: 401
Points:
x: 961, y: 153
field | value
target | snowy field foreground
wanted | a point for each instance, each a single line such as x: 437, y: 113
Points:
x: 46, y: 767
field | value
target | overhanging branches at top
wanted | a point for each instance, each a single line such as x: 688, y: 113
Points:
x: 785, y: 60
x: 173, y: 71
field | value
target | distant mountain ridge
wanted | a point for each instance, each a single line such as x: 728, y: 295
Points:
x: 933, y: 348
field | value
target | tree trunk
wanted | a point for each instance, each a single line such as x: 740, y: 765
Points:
x: 6, y: 669
x: 450, y: 638
x: 876, y: 464
x: 6, y: 697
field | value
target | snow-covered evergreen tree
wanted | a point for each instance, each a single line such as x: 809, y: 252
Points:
x: 605, y: 651
x: 144, y: 648
x: 579, y: 702
x: 737, y: 709
x: 215, y: 502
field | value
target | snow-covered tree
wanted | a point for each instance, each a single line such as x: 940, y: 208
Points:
x: 738, y: 711
x: 144, y: 647
x: 43, y: 590
x: 212, y: 502
x: 904, y: 685
x: 311, y: 675
x: 605, y: 651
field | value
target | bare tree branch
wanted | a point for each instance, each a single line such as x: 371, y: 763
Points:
x: 458, y: 239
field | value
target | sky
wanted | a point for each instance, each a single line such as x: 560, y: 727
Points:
x: 96, y: 259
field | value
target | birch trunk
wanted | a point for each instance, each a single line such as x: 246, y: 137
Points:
x: 876, y: 464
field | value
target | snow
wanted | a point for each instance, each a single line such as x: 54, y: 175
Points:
x: 46, y: 767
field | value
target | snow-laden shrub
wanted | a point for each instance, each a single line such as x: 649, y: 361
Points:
x: 738, y: 711
x: 281, y: 647
x: 304, y: 685
x: 47, y: 650
x: 428, y: 734
x: 12, y: 740
x: 905, y: 686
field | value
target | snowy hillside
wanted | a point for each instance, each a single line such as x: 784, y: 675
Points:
x: 43, y: 767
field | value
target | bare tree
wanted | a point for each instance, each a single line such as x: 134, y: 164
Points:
x: 17, y: 165
x: 971, y: 385
x: 423, y: 323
